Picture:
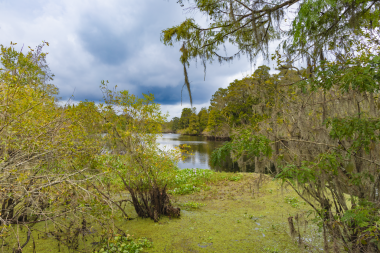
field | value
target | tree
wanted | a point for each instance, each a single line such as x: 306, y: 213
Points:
x: 46, y: 76
x: 175, y: 125
x: 216, y: 126
x: 235, y: 103
x: 143, y: 170
x: 318, y: 125
x: 203, y: 119
x: 61, y: 165
x: 322, y: 136
x: 185, y: 118
x: 46, y: 151
x: 217, y: 100
x: 193, y: 125
x: 252, y: 25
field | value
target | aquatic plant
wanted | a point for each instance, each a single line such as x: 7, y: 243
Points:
x: 186, y: 181
x: 124, y: 244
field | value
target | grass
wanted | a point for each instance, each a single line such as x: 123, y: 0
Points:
x: 219, y: 213
x: 293, y: 201
x: 192, y: 205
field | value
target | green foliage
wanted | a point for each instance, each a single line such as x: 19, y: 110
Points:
x: 175, y: 124
x: 220, y: 154
x: 362, y: 131
x: 360, y: 215
x: 124, y: 244
x: 237, y: 106
x: 27, y: 69
x: 160, y: 167
x: 184, y: 121
x: 319, y: 126
x: 192, y: 205
x: 251, y: 145
x: 321, y: 133
x: 250, y: 26
x: 224, y: 27
x: 216, y: 124
x: 66, y: 157
x: 186, y: 181
x: 47, y: 152
x: 294, y: 202
x: 43, y: 147
x: 203, y: 119
x: 352, y: 72
x: 331, y: 23
x: 235, y: 178
x: 193, y: 125
x: 271, y: 250
x: 239, y: 103
x: 245, y: 144
x: 311, y: 170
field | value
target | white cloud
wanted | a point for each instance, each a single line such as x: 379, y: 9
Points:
x: 176, y: 110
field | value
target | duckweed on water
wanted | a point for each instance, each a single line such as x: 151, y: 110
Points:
x: 233, y: 220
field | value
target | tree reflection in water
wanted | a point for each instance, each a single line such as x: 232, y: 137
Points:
x: 199, y: 152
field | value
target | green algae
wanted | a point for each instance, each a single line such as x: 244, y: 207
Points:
x: 231, y: 218
x: 231, y: 221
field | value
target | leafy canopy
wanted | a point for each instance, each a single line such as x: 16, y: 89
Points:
x: 251, y: 25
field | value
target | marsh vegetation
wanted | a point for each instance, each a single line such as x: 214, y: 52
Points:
x: 90, y: 177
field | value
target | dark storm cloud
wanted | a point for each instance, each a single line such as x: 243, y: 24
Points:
x: 172, y: 95
x: 105, y: 45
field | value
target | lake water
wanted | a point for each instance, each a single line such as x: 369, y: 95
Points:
x: 199, y: 155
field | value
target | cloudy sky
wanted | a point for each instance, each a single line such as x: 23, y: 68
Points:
x: 114, y: 40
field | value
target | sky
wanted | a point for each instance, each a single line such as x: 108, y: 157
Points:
x: 118, y: 41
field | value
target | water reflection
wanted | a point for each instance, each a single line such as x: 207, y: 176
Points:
x: 200, y: 149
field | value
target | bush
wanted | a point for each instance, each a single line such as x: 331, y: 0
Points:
x: 124, y: 244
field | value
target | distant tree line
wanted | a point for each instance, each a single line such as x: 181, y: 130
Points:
x: 190, y: 122
x: 230, y: 108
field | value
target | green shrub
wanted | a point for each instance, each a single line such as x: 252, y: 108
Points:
x: 235, y: 178
x: 122, y: 244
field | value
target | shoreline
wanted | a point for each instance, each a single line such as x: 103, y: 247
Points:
x: 208, y: 137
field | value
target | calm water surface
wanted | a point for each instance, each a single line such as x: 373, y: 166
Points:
x: 200, y: 151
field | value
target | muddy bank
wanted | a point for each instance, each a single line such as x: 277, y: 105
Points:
x: 208, y: 137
